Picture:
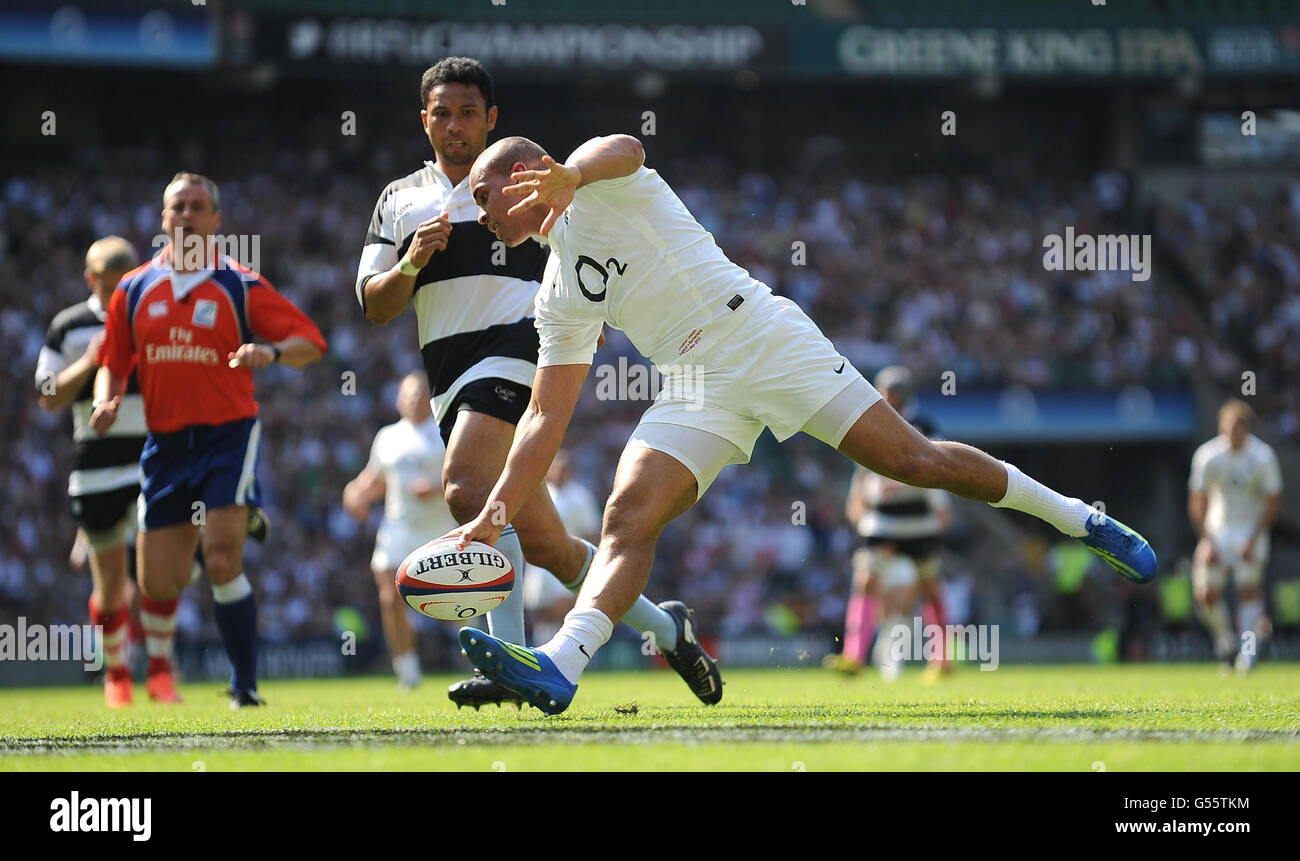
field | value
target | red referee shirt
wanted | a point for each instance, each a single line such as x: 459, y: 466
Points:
x: 177, y: 328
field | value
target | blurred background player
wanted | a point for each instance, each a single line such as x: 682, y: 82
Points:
x: 185, y: 322
x: 545, y: 598
x: 105, y: 477
x: 404, y: 470
x: 474, y: 309
x: 1234, y: 495
x: 898, y: 556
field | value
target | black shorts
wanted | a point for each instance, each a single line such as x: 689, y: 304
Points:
x: 917, y: 548
x: 494, y: 396
x: 95, y: 512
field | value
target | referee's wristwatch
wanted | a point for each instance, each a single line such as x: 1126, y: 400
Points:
x: 276, y: 350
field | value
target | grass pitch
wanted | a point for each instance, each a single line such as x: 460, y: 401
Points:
x: 1071, y: 718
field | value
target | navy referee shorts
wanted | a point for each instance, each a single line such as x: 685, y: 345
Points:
x: 212, y: 464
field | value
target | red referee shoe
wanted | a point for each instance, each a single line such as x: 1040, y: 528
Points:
x: 160, y: 683
x: 117, y: 688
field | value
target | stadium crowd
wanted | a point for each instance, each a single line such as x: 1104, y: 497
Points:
x: 932, y: 272
x: 1242, y: 263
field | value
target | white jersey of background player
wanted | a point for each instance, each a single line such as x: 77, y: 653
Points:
x: 405, y: 470
x: 409, y: 457
x: 1234, y: 495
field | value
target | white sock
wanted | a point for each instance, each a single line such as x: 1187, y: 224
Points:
x: 235, y: 590
x: 507, y: 621
x: 1248, y: 615
x: 407, y: 668
x: 1068, y: 515
x: 645, y: 614
x: 887, y: 642
x: 572, y: 649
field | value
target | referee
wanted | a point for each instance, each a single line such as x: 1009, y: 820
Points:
x: 187, y: 326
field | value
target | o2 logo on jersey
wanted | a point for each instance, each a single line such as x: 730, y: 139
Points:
x: 603, y: 269
x: 205, y: 313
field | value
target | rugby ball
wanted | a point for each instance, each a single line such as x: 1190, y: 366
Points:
x: 449, y: 584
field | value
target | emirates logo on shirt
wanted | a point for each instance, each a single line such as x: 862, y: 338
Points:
x: 691, y: 340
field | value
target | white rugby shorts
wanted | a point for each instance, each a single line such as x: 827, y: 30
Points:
x: 1228, y: 544
x: 777, y: 370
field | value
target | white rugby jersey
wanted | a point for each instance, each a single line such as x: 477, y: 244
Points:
x: 631, y: 255
x: 473, y: 299
x: 101, y: 463
x: 577, y: 507
x: 403, y: 452
x: 1236, y: 483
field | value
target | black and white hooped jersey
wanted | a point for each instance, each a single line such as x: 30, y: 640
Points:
x: 893, y: 510
x: 473, y: 299
x: 101, y: 463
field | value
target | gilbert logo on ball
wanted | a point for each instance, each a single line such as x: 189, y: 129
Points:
x: 449, y: 584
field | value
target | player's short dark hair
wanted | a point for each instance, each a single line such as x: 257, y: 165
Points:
x: 457, y: 70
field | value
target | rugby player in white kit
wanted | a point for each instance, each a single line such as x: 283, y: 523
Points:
x: 473, y: 305
x: 404, y: 470
x: 1234, y: 494
x: 735, y: 359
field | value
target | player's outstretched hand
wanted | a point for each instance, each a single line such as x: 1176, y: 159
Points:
x: 104, y: 415
x: 251, y: 356
x: 480, y: 529
x: 552, y: 186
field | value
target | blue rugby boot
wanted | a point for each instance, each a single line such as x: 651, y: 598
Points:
x: 1122, y: 548
x: 525, y: 671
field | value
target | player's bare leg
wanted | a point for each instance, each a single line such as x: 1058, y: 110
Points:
x: 1253, y: 624
x: 1208, y: 577
x: 650, y: 489
x: 165, y: 555
x: 109, y: 610
x: 934, y: 612
x: 476, y: 455
x: 397, y: 630
x: 883, y: 442
x: 898, y: 601
x: 1213, y: 612
x: 234, y: 604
